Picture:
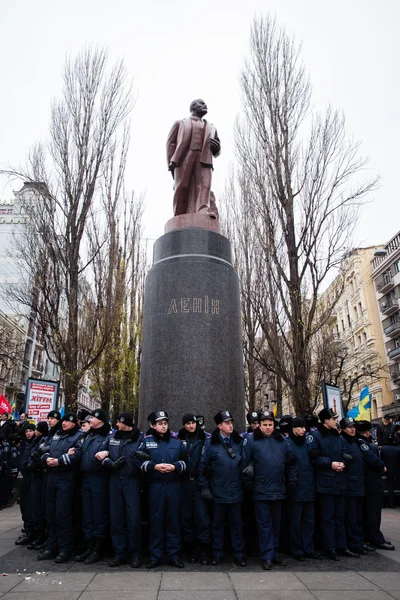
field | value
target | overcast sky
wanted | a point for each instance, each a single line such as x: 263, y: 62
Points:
x: 177, y: 50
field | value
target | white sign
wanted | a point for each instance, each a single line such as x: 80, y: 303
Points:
x: 41, y: 398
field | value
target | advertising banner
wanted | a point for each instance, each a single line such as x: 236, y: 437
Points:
x: 41, y: 398
x: 333, y: 399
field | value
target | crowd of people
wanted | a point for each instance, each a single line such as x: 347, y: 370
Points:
x: 259, y: 493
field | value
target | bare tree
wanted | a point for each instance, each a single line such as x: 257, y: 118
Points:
x: 66, y: 254
x: 303, y: 193
x: 11, y: 350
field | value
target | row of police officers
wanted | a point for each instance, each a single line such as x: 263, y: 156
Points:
x: 84, y: 486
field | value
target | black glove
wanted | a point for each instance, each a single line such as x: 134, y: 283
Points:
x: 206, y: 494
x: 141, y: 455
x: 248, y: 472
x: 114, y: 464
x: 347, y: 458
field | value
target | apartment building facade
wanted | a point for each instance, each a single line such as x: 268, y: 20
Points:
x: 386, y: 277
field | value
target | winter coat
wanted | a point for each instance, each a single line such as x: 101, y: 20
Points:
x: 194, y: 449
x: 305, y: 488
x: 59, y: 444
x: 124, y: 444
x: 220, y: 468
x: 163, y: 449
x: 91, y: 444
x: 274, y: 463
x: 326, y: 446
x: 354, y: 470
x: 373, y: 466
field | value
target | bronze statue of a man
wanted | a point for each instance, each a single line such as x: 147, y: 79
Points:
x: 192, y: 143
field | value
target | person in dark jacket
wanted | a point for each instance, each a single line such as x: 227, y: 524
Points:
x: 195, y: 522
x: 252, y: 420
x: 163, y: 466
x: 301, y: 499
x: 37, y: 498
x: 94, y: 489
x: 220, y: 482
x: 326, y: 448
x: 54, y: 423
x: 374, y: 468
x: 385, y: 434
x: 11, y: 469
x: 390, y: 455
x: 271, y: 463
x: 25, y: 505
x: 118, y: 457
x: 63, y: 468
x: 355, y: 489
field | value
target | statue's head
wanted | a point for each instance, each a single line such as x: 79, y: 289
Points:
x: 198, y: 107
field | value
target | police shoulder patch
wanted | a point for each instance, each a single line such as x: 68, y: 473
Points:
x: 364, y: 447
x: 244, y: 441
x: 310, y: 439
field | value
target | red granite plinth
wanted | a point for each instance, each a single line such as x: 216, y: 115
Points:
x: 190, y: 220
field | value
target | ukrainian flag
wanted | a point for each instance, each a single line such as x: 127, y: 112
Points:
x: 362, y: 412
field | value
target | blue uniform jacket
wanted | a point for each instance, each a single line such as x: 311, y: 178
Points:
x: 273, y: 461
x: 220, y: 471
x: 325, y: 446
x: 59, y: 445
x: 305, y: 488
x: 354, y: 470
x: 194, y: 448
x: 163, y: 449
x: 124, y: 444
x: 14, y: 461
x: 91, y: 444
x: 373, y: 466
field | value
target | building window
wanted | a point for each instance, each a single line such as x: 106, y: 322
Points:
x: 348, y: 319
x: 343, y: 327
x: 397, y: 266
x: 355, y: 313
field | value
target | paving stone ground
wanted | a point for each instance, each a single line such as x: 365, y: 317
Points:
x: 375, y: 577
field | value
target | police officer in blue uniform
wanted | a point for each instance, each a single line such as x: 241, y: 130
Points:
x: 301, y: 499
x: 25, y: 504
x: 37, y: 497
x: 63, y: 468
x: 195, y: 521
x: 94, y: 489
x: 118, y: 457
x: 252, y: 420
x: 355, y: 489
x: 374, y: 468
x: 220, y: 482
x: 162, y: 458
x: 326, y: 448
x: 272, y: 463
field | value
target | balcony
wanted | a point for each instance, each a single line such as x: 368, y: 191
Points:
x: 385, y: 284
x: 393, y: 329
x: 389, y: 306
x: 394, y: 354
x: 395, y: 375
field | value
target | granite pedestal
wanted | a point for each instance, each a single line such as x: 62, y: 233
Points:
x: 192, y: 346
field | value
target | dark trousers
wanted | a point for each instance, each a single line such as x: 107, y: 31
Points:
x: 38, y: 503
x: 195, y: 521
x: 59, y: 503
x: 24, y: 504
x: 95, y: 505
x: 231, y: 512
x: 332, y: 521
x: 250, y: 529
x: 372, y: 514
x: 301, y: 515
x: 268, y: 515
x: 353, y: 522
x: 164, y: 514
x: 7, y: 483
x: 126, y: 530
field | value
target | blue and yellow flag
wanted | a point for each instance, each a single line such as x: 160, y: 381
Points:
x: 362, y: 412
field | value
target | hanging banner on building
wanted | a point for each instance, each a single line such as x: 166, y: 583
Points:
x: 332, y: 399
x: 41, y: 398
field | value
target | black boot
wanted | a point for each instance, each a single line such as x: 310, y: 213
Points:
x: 26, y: 539
x: 204, y: 558
x: 83, y: 556
x: 191, y: 552
x: 40, y: 539
x: 95, y: 554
